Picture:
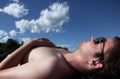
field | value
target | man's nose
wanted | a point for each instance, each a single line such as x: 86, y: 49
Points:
x: 92, y: 38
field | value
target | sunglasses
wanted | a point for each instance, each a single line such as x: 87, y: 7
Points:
x: 101, y: 41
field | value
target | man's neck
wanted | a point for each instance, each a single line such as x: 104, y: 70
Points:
x: 75, y: 61
x: 71, y: 72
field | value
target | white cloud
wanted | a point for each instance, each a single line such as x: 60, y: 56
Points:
x: 2, y: 33
x: 1, y: 10
x: 15, y: 9
x: 50, y: 19
x: 25, y: 39
x: 12, y: 33
x: 64, y: 45
x: 4, y: 39
x: 23, y: 25
x: 3, y: 36
x: 15, y: 0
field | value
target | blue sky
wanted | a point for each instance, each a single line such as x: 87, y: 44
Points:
x: 65, y: 22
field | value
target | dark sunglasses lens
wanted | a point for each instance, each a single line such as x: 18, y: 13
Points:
x: 99, y: 40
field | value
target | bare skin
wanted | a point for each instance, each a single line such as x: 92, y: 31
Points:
x: 40, y: 63
x: 51, y: 62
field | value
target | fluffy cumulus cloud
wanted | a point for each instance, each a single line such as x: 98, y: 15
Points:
x: 15, y: 9
x: 12, y: 33
x: 3, y: 36
x: 51, y: 19
x: 2, y: 33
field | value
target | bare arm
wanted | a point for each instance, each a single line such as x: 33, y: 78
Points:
x: 14, y: 58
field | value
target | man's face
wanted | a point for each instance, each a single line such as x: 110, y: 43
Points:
x: 88, y: 49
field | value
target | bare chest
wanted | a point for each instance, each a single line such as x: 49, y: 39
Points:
x: 42, y: 53
x: 47, y: 63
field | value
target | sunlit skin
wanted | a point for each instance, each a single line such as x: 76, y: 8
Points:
x: 92, y: 47
x: 52, y: 63
x: 86, y: 51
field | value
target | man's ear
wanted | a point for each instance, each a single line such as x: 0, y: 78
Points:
x: 96, y: 64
